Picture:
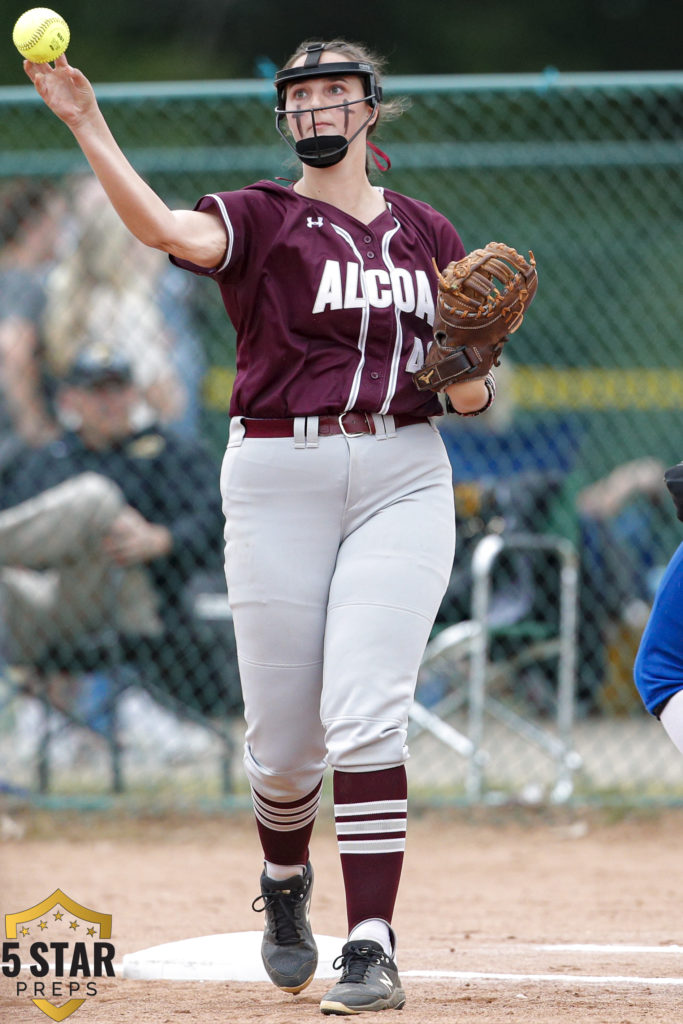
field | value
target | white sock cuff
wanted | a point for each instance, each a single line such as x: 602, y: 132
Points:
x: 376, y: 930
x: 280, y: 872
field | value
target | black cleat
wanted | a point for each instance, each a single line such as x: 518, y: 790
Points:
x: 369, y: 981
x: 288, y: 950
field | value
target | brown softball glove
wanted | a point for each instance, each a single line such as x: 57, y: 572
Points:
x: 482, y: 299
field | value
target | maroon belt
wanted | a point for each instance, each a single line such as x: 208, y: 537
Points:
x: 349, y: 423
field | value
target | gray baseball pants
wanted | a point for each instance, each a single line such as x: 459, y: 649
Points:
x: 338, y: 553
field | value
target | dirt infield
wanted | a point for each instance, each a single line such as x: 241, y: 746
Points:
x: 481, y: 898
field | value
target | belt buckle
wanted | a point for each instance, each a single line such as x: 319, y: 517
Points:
x: 345, y: 432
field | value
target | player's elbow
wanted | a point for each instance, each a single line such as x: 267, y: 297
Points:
x: 164, y: 236
x: 196, y: 237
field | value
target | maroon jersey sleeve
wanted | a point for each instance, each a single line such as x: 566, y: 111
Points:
x: 441, y: 237
x: 245, y: 215
x: 449, y: 243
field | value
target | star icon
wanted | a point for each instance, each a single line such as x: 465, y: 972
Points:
x: 58, y: 916
x: 25, y: 930
x: 42, y: 925
x: 73, y: 924
x: 91, y: 931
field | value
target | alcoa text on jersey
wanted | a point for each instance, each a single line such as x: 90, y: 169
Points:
x: 330, y: 313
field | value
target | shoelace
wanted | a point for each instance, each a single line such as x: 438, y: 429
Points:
x: 283, y: 905
x: 355, y: 960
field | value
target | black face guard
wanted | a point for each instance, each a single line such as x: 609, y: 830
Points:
x: 323, y: 150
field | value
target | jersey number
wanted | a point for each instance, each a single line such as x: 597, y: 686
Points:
x: 417, y: 357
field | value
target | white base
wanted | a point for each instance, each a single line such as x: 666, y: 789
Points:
x: 235, y: 956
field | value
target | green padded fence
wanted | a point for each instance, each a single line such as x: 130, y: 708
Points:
x: 586, y: 170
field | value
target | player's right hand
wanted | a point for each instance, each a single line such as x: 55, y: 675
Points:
x: 65, y: 90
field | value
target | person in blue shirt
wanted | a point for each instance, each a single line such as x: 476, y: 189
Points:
x: 658, y: 668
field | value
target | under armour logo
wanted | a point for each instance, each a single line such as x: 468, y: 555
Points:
x: 310, y: 223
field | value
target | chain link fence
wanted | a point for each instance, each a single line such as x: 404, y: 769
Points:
x: 583, y: 169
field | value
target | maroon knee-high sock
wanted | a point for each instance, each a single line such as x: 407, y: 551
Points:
x: 285, y: 828
x: 370, y: 812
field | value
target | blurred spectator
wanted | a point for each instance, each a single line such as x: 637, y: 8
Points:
x: 622, y: 518
x: 521, y: 473
x: 509, y: 475
x: 111, y: 289
x: 104, y: 527
x: 31, y: 215
x: 177, y: 296
x: 618, y: 517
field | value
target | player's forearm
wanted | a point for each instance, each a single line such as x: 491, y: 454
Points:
x: 140, y: 208
x: 71, y: 97
x: 197, y: 237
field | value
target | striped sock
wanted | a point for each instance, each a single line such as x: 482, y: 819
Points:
x: 370, y: 813
x: 285, y: 828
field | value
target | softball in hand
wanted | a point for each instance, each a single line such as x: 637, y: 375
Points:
x: 40, y: 35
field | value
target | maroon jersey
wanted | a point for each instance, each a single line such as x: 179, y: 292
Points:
x: 331, y: 314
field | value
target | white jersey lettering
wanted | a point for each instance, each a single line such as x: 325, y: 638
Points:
x: 354, y: 297
x: 424, y: 305
x: 404, y: 289
x: 343, y: 287
x: 378, y: 297
x: 330, y: 289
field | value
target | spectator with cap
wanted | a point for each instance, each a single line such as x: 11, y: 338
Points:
x: 105, y: 526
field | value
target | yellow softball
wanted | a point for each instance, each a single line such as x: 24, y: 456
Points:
x: 40, y: 35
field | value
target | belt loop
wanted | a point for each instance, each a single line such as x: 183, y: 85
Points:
x: 384, y: 426
x: 236, y: 432
x: 299, y: 431
x: 311, y: 431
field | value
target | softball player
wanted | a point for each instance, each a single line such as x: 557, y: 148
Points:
x: 336, y: 486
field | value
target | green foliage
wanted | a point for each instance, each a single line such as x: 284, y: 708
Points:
x: 167, y: 39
